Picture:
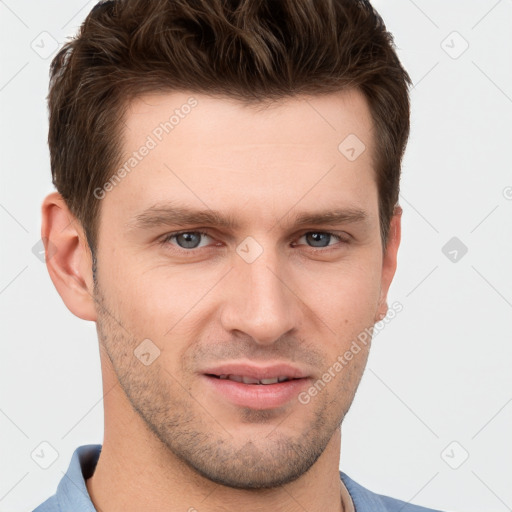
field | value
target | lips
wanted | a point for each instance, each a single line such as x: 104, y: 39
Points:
x: 254, y: 374
x: 255, y: 387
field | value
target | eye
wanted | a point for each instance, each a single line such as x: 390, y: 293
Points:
x: 321, y: 239
x: 186, y: 239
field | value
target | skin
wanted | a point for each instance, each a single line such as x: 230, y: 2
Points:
x: 170, y: 442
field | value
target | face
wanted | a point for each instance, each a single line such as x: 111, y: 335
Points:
x: 242, y: 243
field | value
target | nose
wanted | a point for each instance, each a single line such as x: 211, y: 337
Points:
x: 260, y: 302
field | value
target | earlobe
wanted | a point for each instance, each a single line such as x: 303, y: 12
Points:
x: 389, y: 261
x: 68, y: 257
x: 382, y: 311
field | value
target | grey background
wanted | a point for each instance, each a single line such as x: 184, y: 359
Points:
x: 437, y: 388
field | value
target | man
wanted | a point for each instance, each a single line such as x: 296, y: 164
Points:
x: 227, y: 177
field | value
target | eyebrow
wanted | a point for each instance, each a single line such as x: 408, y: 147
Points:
x: 175, y: 215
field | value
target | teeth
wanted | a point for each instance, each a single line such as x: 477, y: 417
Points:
x: 250, y: 380
x: 269, y: 381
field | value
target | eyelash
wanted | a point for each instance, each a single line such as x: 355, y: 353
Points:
x: 193, y: 251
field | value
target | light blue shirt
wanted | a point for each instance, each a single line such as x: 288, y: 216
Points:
x: 72, y: 495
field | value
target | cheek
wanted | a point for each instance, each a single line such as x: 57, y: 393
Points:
x: 345, y: 294
x: 167, y: 305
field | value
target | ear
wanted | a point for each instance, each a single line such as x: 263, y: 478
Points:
x: 389, y: 261
x: 68, y: 257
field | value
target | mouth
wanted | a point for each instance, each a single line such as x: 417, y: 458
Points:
x: 255, y: 387
x: 251, y: 380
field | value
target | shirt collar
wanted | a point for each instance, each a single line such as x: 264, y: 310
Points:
x: 72, y: 492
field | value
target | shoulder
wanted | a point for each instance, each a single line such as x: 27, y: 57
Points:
x: 368, y: 501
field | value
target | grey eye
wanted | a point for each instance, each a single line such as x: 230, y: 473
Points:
x: 188, y: 240
x: 318, y: 239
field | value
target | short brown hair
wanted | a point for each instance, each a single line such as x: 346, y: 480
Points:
x: 249, y: 50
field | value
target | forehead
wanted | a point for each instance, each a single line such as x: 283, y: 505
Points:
x: 218, y: 153
x: 299, y: 119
